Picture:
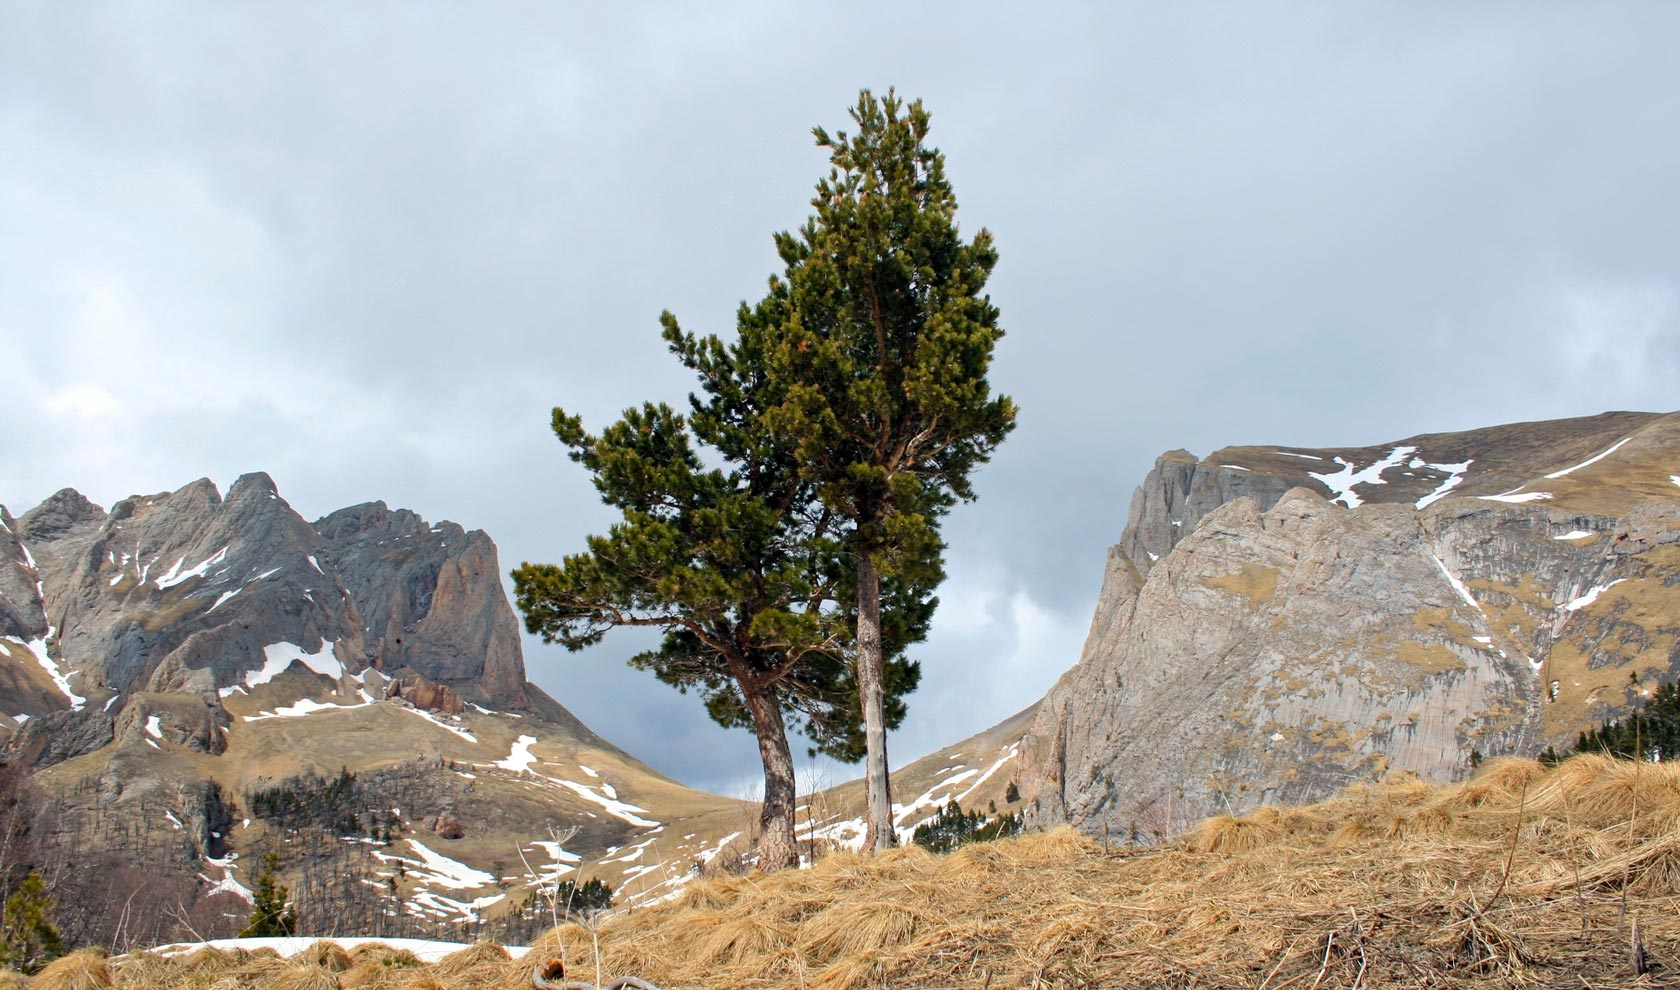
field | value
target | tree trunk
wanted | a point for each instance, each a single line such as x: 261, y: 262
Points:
x: 872, y: 687
x: 777, y: 848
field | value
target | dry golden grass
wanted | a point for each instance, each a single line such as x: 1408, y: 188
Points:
x: 1519, y: 877
x: 87, y: 969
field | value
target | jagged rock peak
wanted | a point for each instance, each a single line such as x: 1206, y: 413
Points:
x: 62, y: 510
x: 376, y: 520
x: 256, y: 484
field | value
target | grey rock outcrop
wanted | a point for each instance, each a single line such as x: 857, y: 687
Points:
x: 430, y: 600
x: 1368, y: 617
x: 62, y: 735
x: 190, y: 592
x: 23, y: 613
x: 1178, y: 492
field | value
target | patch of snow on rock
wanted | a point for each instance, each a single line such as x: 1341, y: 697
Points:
x: 278, y: 656
x: 1455, y: 477
x: 616, y: 808
x: 177, y: 576
x: 1591, y: 596
x: 521, y: 758
x: 154, y: 726
x: 1342, y: 482
x: 1579, y: 534
x: 1458, y: 586
x: 1590, y: 461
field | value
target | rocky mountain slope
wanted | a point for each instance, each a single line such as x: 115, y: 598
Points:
x: 199, y: 670
x: 1276, y: 622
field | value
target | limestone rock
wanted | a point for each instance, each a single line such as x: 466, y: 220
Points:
x: 1322, y: 617
x: 195, y: 722
x: 58, y: 736
x: 430, y: 600
x: 422, y: 692
x: 189, y: 592
x: 447, y: 826
x: 23, y: 614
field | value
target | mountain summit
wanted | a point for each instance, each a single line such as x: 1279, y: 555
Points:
x: 191, y: 591
x: 1277, y: 622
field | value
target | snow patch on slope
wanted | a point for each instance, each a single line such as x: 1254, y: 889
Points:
x: 1342, y: 482
x: 1589, y: 461
x: 278, y: 656
x: 177, y: 576
x: 1513, y: 496
x: 38, y: 649
x: 618, y: 809
x: 1455, y: 477
x: 440, y: 723
x: 1458, y: 585
x: 1591, y: 596
x: 521, y: 758
x: 303, y: 707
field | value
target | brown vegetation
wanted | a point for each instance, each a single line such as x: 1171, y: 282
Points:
x: 1520, y: 877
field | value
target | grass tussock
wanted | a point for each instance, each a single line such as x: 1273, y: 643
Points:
x: 87, y: 969
x: 329, y: 956
x: 1519, y: 877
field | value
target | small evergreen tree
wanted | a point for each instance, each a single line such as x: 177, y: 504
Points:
x: 953, y: 828
x: 581, y: 901
x: 270, y: 915
x: 28, y: 937
x: 1650, y: 732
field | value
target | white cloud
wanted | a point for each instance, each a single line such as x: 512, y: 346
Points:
x: 1622, y: 343
x: 83, y: 401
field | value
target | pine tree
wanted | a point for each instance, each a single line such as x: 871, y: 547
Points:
x: 882, y: 340
x: 738, y: 564
x: 592, y: 896
x: 270, y: 915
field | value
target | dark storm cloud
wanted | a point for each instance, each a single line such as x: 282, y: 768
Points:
x: 367, y: 248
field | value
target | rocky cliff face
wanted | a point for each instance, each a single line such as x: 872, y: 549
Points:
x: 193, y: 592
x: 430, y: 599
x: 1276, y: 623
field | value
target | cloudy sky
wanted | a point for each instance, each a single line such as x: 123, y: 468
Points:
x: 367, y: 247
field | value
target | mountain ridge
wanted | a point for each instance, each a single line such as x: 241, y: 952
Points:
x: 1277, y: 621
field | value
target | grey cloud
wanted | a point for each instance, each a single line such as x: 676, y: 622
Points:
x: 367, y: 248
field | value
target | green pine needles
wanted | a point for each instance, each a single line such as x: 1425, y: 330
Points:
x: 28, y: 937
x: 270, y: 915
x: 953, y: 828
x: 1650, y: 732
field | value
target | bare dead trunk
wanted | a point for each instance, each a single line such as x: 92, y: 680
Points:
x: 871, y: 672
x: 777, y: 848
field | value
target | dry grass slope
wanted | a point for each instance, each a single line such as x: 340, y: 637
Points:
x: 1520, y: 877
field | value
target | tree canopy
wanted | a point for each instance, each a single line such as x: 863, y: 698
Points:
x: 738, y: 563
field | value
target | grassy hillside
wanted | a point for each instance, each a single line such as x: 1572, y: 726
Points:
x: 1519, y: 877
